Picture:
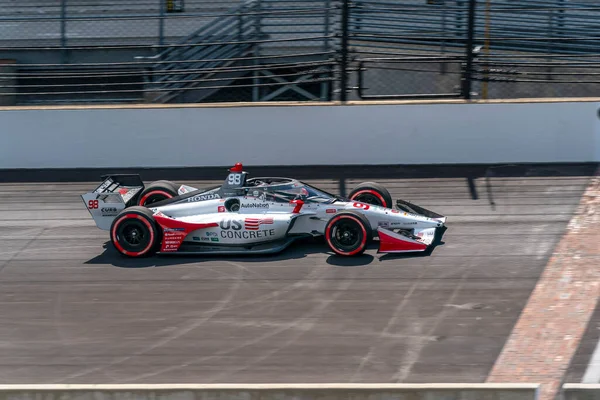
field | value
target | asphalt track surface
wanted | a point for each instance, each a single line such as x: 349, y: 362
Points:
x: 73, y: 311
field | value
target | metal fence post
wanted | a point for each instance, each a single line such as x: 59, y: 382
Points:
x: 256, y: 81
x: 466, y: 84
x: 63, y: 29
x: 344, y: 51
x: 161, y: 22
x: 325, y: 84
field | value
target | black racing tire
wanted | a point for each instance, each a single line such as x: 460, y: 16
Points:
x: 135, y: 233
x: 157, y: 191
x: 348, y: 233
x: 372, y: 193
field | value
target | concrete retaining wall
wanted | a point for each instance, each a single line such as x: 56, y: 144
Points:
x: 319, y: 134
x: 272, y: 392
x: 573, y: 391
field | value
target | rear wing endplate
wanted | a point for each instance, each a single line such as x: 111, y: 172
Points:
x: 115, y: 193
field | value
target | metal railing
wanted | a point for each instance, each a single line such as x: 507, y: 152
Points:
x: 475, y: 48
x: 199, y: 56
x: 261, y: 50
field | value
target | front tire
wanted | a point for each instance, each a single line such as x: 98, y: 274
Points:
x: 372, y: 193
x: 348, y: 233
x: 157, y: 191
x: 134, y: 232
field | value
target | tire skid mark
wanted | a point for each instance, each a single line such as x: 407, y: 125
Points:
x: 416, y: 347
x: 262, y: 300
x: 391, y: 322
x: 414, y: 340
x: 324, y: 329
x: 194, y: 324
x: 24, y: 249
x: 245, y: 344
x: 224, y: 305
x: 303, y: 326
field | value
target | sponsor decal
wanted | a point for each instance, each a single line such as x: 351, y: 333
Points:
x: 331, y: 211
x: 109, y: 211
x: 205, y: 239
x: 411, y: 215
x: 196, y: 238
x: 104, y: 186
x: 182, y: 189
x: 383, y: 223
x: 93, y: 204
x: 254, y: 234
x: 255, y: 205
x: 361, y: 205
x: 232, y: 229
x: 396, y: 211
x: 123, y: 191
x: 230, y: 224
x: 221, y: 209
x: 252, y: 224
x: 211, y: 234
x: 173, y: 239
x: 234, y: 179
x: 214, y: 239
x: 403, y: 223
x: 203, y: 197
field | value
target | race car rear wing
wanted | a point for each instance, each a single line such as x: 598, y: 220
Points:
x: 116, y: 192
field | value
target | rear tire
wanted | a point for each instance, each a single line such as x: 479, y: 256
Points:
x: 134, y: 232
x: 348, y: 233
x: 157, y: 191
x: 372, y: 193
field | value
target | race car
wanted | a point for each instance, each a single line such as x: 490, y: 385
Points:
x: 254, y: 216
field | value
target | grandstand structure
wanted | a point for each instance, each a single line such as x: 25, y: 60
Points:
x: 194, y: 51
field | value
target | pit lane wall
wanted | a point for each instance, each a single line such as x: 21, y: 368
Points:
x: 310, y: 134
x: 273, y: 392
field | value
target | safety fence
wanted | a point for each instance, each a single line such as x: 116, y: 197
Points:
x: 182, y: 51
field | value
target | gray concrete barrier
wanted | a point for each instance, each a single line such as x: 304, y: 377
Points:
x: 275, y: 135
x: 575, y: 391
x: 273, y: 392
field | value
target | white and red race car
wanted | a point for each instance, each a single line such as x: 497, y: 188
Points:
x: 254, y: 216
